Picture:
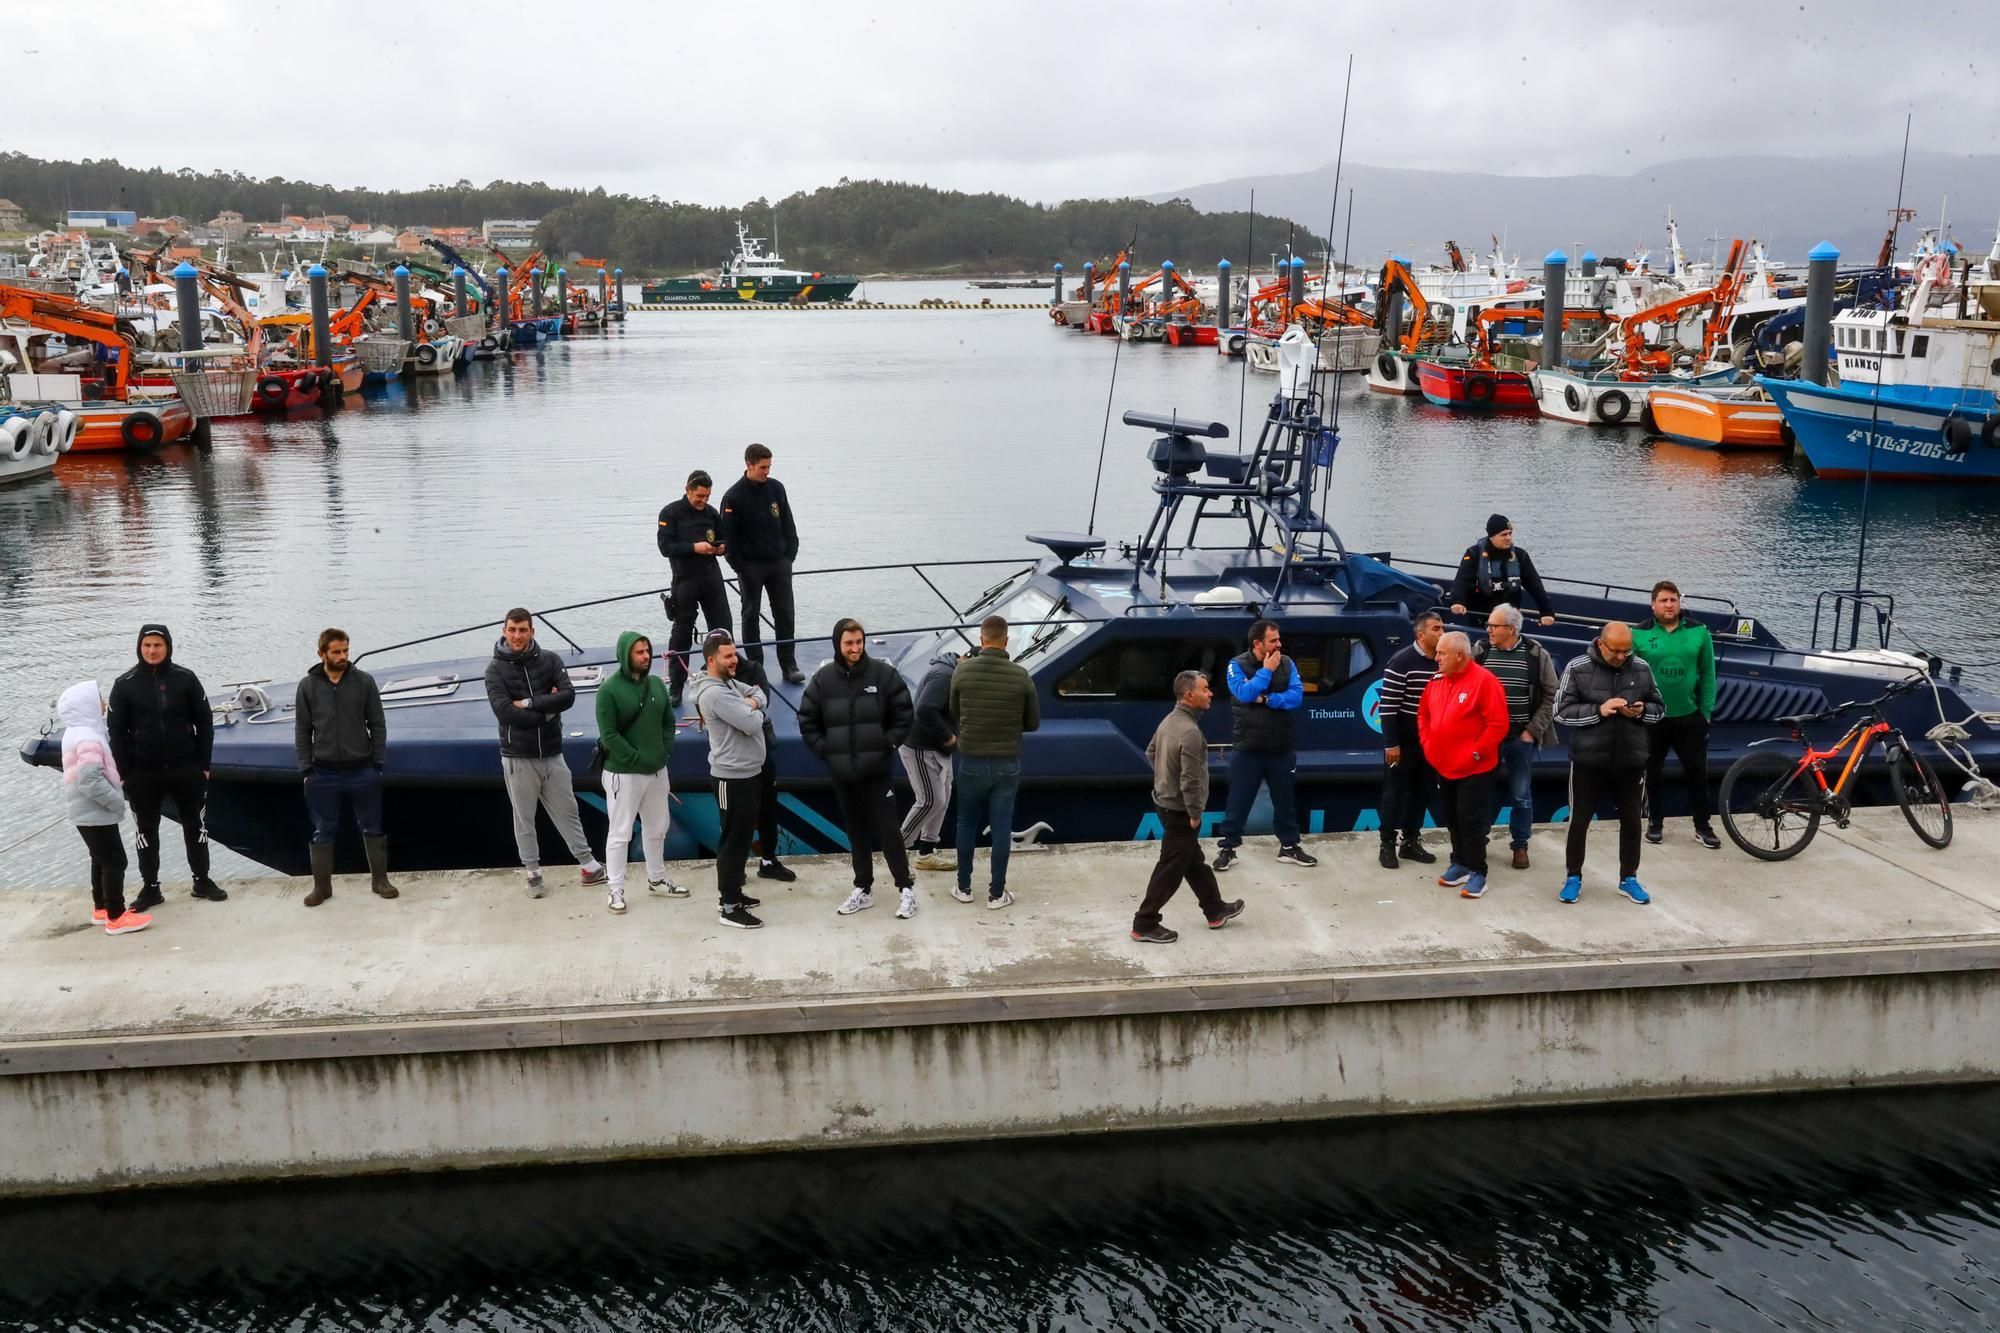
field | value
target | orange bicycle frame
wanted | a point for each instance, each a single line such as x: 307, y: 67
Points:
x: 1860, y: 737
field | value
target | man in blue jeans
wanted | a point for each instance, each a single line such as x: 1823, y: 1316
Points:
x: 1528, y: 674
x: 993, y: 702
x: 342, y: 743
x: 1265, y: 691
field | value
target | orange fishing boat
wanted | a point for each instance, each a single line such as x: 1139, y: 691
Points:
x: 1742, y: 417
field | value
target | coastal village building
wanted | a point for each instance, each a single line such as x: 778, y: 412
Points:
x: 13, y: 217
x: 509, y: 231
x: 100, y: 219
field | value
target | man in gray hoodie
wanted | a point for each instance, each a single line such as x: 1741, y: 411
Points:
x: 732, y: 713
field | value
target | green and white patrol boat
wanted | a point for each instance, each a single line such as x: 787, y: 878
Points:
x: 751, y: 275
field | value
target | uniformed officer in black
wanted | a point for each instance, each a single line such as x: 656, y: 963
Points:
x: 691, y: 537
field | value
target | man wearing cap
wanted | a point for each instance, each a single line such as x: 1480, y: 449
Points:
x: 161, y: 738
x: 1496, y: 571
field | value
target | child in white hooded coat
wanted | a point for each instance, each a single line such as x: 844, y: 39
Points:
x: 95, y: 799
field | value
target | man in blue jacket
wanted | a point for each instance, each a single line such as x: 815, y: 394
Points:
x: 1265, y: 691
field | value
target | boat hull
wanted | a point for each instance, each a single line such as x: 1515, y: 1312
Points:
x: 776, y: 291
x: 102, y: 427
x: 1394, y: 373
x: 1835, y: 428
x: 1341, y: 352
x: 1588, y: 402
x: 1472, y: 389
x: 1693, y: 417
x: 296, y: 389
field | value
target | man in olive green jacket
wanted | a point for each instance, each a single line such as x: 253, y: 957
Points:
x: 993, y: 701
x: 635, y: 727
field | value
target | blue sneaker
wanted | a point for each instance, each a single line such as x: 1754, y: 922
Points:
x: 1572, y: 889
x: 1475, y: 886
x: 1633, y: 889
x: 1454, y: 875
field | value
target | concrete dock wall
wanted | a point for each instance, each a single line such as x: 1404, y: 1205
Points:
x: 99, y: 1128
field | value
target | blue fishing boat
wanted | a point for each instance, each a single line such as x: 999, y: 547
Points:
x: 1102, y: 627
x: 1916, y: 397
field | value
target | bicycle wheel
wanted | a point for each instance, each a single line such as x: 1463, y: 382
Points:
x: 1770, y: 810
x: 1922, y: 797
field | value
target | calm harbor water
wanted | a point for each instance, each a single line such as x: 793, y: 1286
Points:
x: 914, y: 436
x: 1863, y: 1211
x: 902, y: 436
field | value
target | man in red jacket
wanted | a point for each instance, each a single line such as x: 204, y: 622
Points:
x: 1461, y: 723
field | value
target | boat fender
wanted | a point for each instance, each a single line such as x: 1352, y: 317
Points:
x: 1385, y: 365
x: 1956, y: 432
x: 427, y: 354
x: 307, y: 383
x: 272, y: 390
x: 45, y: 433
x: 67, y: 425
x: 1613, y: 406
x: 142, y: 431
x: 489, y: 343
x: 1989, y: 434
x: 1573, y: 398
x: 16, y: 434
x: 1479, y: 389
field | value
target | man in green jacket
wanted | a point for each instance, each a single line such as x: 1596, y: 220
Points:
x: 993, y: 700
x: 1682, y: 655
x: 635, y: 727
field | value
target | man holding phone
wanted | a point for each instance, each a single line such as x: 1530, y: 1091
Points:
x: 1609, y: 701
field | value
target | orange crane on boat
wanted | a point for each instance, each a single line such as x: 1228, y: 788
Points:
x: 1481, y: 335
x: 1641, y: 359
x: 220, y: 283
x: 70, y: 317
x: 1396, y: 276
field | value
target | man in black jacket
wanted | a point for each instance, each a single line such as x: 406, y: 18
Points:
x: 927, y: 753
x: 760, y: 542
x: 1608, y: 701
x: 691, y: 538
x: 529, y: 691
x: 161, y: 739
x: 1496, y: 570
x: 854, y: 714
x: 342, y: 744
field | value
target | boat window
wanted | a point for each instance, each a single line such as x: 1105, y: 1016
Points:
x: 1144, y: 669
x: 1328, y: 662
x: 1037, y: 623
x: 1920, y: 344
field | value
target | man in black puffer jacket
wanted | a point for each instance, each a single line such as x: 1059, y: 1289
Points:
x: 161, y: 737
x: 529, y: 691
x: 1608, y: 702
x: 854, y: 714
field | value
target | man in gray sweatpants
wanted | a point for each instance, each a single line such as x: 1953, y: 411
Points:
x: 529, y: 692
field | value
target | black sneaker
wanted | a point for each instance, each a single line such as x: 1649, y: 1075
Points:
x: 1706, y: 837
x: 1296, y: 855
x: 1655, y: 833
x: 1388, y: 856
x: 149, y: 898
x: 794, y: 676
x: 209, y: 891
x: 772, y: 869
x: 1225, y: 860
x: 1416, y: 851
x: 737, y: 915
x: 1230, y: 911
x: 1156, y: 935
x: 748, y: 901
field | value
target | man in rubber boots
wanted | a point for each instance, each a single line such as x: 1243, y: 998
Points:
x: 342, y: 744
x: 732, y: 714
x: 1496, y: 570
x: 162, y: 735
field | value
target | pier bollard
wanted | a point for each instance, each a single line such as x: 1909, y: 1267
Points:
x: 1590, y: 263
x: 562, y: 291
x: 1057, y: 298
x: 1224, y: 296
x: 406, y: 324
x: 322, y: 319
x: 187, y: 305
x: 458, y: 289
x: 500, y: 314
x: 618, y: 282
x: 604, y: 290
x: 1124, y: 285
x: 1555, y: 272
x: 534, y: 293
x: 1820, y: 262
x: 1295, y: 286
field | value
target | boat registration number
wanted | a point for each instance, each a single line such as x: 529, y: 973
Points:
x: 1905, y: 444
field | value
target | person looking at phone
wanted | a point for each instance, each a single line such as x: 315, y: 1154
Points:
x: 1609, y: 701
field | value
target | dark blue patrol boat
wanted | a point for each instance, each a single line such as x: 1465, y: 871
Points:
x: 1103, y: 628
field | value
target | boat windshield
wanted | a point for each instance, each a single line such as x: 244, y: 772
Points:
x: 1045, y: 622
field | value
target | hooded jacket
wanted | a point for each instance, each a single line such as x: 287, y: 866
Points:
x: 534, y: 732
x: 933, y: 726
x: 1597, y: 741
x: 339, y: 725
x: 735, y: 729
x: 854, y: 717
x: 92, y: 791
x: 159, y: 718
x: 635, y: 718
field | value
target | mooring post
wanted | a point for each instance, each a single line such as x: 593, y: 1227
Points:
x: 1056, y: 299
x: 406, y: 322
x: 1555, y: 273
x: 1820, y: 262
x: 1223, y: 294
x: 187, y: 300
x: 322, y: 317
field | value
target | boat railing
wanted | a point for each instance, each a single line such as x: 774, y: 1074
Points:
x: 1843, y: 609
x: 1604, y: 590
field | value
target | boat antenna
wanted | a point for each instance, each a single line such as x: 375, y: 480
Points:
x: 1875, y: 410
x: 1326, y: 283
x: 1243, y: 376
x: 1103, y: 439
x: 1326, y: 472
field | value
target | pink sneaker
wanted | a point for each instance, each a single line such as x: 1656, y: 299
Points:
x: 131, y: 923
x: 99, y: 915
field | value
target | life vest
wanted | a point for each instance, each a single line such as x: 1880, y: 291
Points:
x: 1500, y: 579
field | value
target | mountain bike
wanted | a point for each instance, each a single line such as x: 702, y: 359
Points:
x: 1772, y: 803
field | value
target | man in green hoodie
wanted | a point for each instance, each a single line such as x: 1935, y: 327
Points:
x: 1682, y: 655
x: 635, y: 726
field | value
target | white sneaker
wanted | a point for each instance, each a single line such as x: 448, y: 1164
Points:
x: 858, y: 901
x: 666, y: 886
x: 907, y: 906
x: 535, y: 886
x: 1005, y: 899
x: 963, y: 895
x: 616, y: 901
x: 936, y: 861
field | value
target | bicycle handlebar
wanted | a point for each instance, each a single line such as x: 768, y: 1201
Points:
x: 1853, y: 705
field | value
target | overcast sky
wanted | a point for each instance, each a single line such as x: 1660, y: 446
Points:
x: 720, y: 103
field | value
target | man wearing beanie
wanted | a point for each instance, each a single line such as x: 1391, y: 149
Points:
x: 161, y: 736
x: 1496, y: 571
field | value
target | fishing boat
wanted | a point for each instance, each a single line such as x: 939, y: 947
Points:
x: 1469, y: 386
x: 60, y: 354
x: 752, y: 275
x: 1609, y: 399
x: 1740, y: 416
x: 1916, y: 399
x: 1102, y: 627
x: 32, y: 438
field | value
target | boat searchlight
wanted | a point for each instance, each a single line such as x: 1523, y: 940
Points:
x: 1178, y: 452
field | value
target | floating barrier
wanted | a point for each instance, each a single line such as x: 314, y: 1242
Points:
x: 852, y: 305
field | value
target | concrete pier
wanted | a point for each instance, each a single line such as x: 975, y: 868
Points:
x: 467, y: 1025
